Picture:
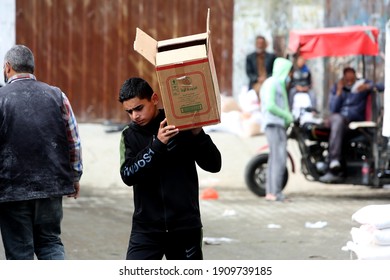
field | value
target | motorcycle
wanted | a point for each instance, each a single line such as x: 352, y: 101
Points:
x: 365, y: 160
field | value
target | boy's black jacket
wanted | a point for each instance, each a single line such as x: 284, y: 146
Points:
x: 164, y: 177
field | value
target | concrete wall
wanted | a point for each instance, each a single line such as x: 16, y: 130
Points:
x: 7, y: 34
x: 307, y: 15
x: 386, y: 117
x: 274, y: 20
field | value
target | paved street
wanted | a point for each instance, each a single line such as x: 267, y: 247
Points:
x: 237, y: 225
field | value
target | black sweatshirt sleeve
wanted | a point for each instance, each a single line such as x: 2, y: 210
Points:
x: 139, y: 165
x: 207, y: 155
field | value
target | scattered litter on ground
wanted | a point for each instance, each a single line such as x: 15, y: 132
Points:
x: 274, y: 226
x: 229, y: 212
x: 216, y: 240
x: 319, y: 224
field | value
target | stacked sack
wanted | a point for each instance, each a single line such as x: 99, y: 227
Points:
x: 371, y: 241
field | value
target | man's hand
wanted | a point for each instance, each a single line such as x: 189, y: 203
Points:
x: 76, y: 194
x: 340, y: 85
x: 166, y: 132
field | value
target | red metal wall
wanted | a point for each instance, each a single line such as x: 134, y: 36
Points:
x: 86, y: 46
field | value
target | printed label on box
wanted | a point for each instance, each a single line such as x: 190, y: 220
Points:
x: 188, y: 94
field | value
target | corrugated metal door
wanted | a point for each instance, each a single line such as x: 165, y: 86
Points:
x: 86, y: 46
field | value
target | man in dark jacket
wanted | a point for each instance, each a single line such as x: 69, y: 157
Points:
x: 259, y: 64
x: 40, y: 160
x: 160, y: 163
x: 347, y: 103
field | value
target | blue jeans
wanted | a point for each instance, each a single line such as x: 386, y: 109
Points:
x: 32, y: 227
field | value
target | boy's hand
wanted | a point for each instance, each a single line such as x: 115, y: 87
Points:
x: 166, y: 132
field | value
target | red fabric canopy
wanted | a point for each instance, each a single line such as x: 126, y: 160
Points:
x: 335, y: 41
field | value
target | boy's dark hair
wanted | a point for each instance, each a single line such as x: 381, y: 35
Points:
x: 135, y: 87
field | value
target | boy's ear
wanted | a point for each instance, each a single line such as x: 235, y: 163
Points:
x: 155, y: 98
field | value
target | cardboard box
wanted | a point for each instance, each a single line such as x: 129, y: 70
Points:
x: 186, y: 76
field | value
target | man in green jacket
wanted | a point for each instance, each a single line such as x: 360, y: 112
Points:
x: 276, y: 117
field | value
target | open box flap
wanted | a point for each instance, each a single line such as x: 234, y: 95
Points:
x: 145, y: 46
x: 208, y: 28
x: 182, y: 40
x: 180, y: 55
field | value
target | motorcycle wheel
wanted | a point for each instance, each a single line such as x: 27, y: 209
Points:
x: 255, y: 174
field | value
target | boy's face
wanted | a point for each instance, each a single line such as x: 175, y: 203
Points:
x: 141, y: 111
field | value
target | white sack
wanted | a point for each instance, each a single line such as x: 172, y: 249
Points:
x: 369, y: 235
x: 249, y: 101
x: 369, y: 252
x: 375, y: 215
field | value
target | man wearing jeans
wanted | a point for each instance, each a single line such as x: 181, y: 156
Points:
x: 40, y: 160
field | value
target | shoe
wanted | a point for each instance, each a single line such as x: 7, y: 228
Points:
x: 329, y: 177
x: 281, y: 197
x: 334, y: 165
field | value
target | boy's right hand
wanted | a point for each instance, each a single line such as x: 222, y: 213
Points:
x: 166, y: 132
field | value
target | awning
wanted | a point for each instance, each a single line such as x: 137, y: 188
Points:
x: 335, y: 41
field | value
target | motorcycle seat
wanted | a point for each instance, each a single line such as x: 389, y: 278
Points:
x: 367, y: 123
x: 363, y: 124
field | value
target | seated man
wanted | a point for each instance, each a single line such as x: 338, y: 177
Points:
x: 347, y: 103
